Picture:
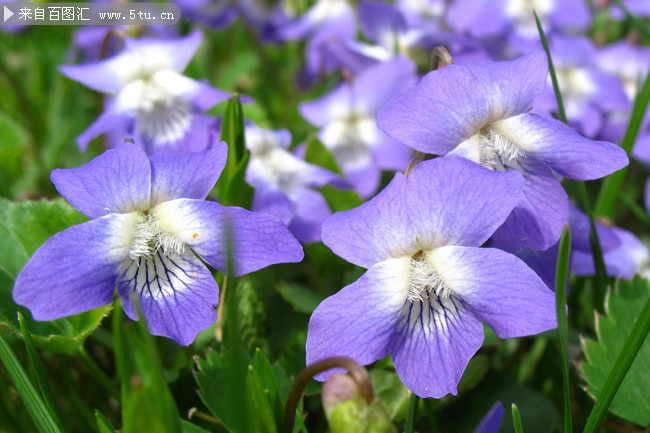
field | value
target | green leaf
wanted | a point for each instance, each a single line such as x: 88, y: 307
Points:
x: 147, y: 403
x: 300, y: 298
x: 44, y: 421
x: 39, y: 372
x: 24, y: 226
x: 245, y: 397
x: 189, y: 427
x: 270, y: 387
x: 232, y: 188
x: 221, y: 378
x: 516, y: 419
x: 561, y: 276
x: 625, y: 315
x: 103, y: 425
x: 261, y: 418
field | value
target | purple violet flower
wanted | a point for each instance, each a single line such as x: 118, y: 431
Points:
x: 159, y: 107
x: 428, y: 285
x: 149, y: 226
x: 332, y: 16
x: 588, y: 93
x: 514, y: 20
x: 216, y: 14
x: 623, y: 253
x: 491, y: 422
x: 283, y: 183
x: 480, y: 111
x: 347, y: 118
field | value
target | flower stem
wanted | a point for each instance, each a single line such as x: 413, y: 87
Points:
x: 358, y: 373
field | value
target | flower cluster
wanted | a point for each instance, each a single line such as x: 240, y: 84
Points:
x: 463, y: 231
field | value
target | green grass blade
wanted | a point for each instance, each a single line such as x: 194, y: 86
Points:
x: 599, y: 263
x: 39, y: 372
x: 561, y: 275
x: 551, y: 69
x: 44, y: 421
x: 516, y: 419
x: 610, y: 191
x: 411, y: 414
x: 638, y: 22
x: 620, y: 369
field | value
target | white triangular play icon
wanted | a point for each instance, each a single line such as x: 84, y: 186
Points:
x: 7, y: 14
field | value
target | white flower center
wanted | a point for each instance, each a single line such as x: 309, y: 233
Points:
x: 165, y: 120
x: 149, y: 238
x: 497, y: 151
x: 426, y: 284
x: 349, y: 138
x: 431, y: 305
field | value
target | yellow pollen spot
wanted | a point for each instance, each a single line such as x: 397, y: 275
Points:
x: 195, y: 235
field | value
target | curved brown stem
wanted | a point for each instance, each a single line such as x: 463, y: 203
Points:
x: 358, y: 373
x: 440, y: 58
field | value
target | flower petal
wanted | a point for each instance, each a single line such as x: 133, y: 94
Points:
x: 258, y: 240
x: 381, y: 82
x: 445, y: 201
x: 186, y: 174
x: 310, y: 213
x: 451, y: 104
x: 499, y: 288
x: 563, y: 149
x: 433, y: 343
x: 537, y: 220
x: 445, y: 108
x: 176, y: 292
x: 117, y: 181
x: 76, y: 269
x: 358, y: 321
x: 157, y: 54
x: 109, y: 121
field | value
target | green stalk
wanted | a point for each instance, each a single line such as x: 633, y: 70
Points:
x: 561, y: 275
x: 411, y: 414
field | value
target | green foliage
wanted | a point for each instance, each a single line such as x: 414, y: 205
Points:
x: 393, y: 395
x: 147, y: 403
x: 623, y: 308
x: 300, y: 298
x: 14, y: 155
x: 516, y: 419
x: 243, y: 394
x: 103, y: 425
x: 45, y: 422
x: 232, y: 187
x: 24, y: 226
